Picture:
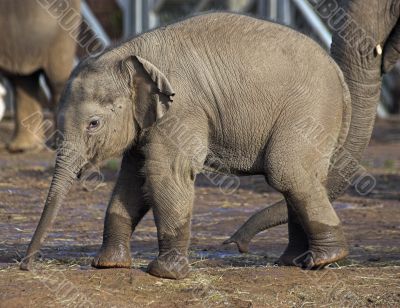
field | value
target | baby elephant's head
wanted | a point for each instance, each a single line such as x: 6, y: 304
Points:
x: 104, y: 108
x: 106, y: 105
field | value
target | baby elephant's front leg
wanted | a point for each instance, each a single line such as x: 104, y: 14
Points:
x: 172, y: 198
x: 125, y: 210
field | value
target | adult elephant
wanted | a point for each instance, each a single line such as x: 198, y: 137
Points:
x: 32, y: 42
x: 366, y: 45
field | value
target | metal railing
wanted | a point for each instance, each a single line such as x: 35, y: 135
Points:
x: 314, y: 22
x: 140, y: 15
x: 93, y: 23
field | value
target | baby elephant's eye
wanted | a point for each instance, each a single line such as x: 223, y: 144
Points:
x: 94, y: 124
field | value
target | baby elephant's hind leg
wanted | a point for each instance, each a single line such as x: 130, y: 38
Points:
x: 297, y: 174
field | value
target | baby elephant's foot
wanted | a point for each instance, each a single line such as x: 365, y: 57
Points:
x: 113, y: 256
x: 325, y: 248
x: 319, y: 257
x: 172, y: 265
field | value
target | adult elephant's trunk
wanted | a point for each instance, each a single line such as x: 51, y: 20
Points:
x: 362, y: 71
x: 67, y: 168
x: 273, y: 215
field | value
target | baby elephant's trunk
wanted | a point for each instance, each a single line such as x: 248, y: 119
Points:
x: 273, y: 215
x: 64, y: 176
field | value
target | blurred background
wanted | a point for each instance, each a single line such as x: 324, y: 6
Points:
x: 112, y: 21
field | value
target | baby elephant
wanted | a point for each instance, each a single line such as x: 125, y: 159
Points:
x: 213, y: 91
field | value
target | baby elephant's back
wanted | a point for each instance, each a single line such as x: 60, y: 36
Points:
x: 247, y: 62
x: 225, y: 45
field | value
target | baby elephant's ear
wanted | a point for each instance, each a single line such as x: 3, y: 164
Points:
x: 154, y: 92
x: 159, y: 79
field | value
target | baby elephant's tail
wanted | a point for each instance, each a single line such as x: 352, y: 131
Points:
x: 273, y: 215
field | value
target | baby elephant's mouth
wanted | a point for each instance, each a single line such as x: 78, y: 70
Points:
x: 82, y: 171
x: 79, y: 174
x: 88, y: 171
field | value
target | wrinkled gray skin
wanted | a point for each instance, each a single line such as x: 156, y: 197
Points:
x: 363, y: 67
x: 31, y: 42
x: 216, y: 87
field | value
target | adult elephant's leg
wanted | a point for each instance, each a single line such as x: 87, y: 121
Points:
x: 56, y: 87
x: 298, y: 240
x: 57, y: 73
x: 171, y: 189
x: 124, y: 212
x: 29, y: 125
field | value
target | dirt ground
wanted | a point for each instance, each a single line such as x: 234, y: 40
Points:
x: 220, y: 276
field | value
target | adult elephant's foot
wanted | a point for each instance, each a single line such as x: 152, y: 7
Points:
x: 171, y: 265
x: 324, y: 248
x: 113, y: 256
x: 298, y: 244
x: 25, y: 144
x: 292, y: 255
